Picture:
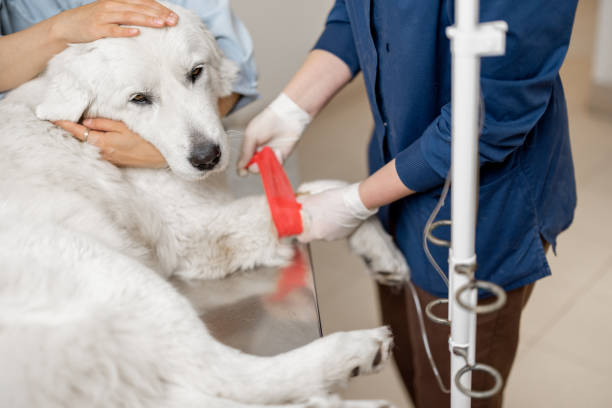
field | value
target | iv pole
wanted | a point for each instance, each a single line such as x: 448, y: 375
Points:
x: 470, y: 40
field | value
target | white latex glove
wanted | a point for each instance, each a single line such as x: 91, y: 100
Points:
x: 332, y: 214
x: 279, y: 126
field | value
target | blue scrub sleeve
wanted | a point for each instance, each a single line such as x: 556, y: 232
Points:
x: 233, y: 39
x: 516, y: 90
x: 337, y: 37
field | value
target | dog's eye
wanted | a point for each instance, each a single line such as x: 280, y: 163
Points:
x: 140, y: 99
x: 196, y: 72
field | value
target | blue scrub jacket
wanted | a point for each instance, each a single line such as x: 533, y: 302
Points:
x: 527, y: 187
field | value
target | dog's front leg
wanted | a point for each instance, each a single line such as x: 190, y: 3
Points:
x: 238, y: 235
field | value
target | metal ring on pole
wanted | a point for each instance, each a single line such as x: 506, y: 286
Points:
x: 496, y: 290
x: 480, y: 394
x: 430, y: 314
x: 438, y: 241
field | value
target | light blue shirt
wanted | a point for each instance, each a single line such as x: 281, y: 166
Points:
x: 232, y: 36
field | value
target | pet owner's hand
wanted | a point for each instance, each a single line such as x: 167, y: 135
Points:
x: 122, y: 147
x: 104, y: 18
x: 117, y: 144
x: 279, y: 126
x: 332, y: 214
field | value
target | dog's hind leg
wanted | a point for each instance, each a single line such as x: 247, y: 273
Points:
x: 314, y: 370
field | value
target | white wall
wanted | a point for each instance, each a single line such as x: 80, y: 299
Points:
x: 602, y: 59
x: 283, y: 32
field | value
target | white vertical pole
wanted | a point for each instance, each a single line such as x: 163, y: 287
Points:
x: 464, y: 159
x: 470, y: 40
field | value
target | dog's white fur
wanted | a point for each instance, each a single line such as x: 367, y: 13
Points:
x: 87, y: 318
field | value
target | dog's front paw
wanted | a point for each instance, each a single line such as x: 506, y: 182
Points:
x: 373, y: 347
x: 385, y: 262
x: 356, y: 353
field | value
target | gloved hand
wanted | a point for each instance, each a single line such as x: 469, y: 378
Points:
x: 279, y: 126
x: 332, y: 214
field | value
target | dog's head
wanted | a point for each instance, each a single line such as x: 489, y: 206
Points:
x: 164, y: 84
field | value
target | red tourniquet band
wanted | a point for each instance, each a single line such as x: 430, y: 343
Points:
x: 284, y: 207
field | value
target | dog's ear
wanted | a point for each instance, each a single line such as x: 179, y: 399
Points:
x: 66, y: 97
x: 228, y: 71
x: 63, y: 99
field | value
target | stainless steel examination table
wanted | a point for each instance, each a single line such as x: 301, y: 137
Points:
x: 265, y: 311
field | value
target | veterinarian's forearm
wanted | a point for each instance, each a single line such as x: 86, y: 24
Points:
x: 23, y: 55
x: 383, y: 187
x: 320, y: 77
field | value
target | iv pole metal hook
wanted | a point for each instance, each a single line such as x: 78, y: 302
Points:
x: 462, y: 350
x: 469, y: 270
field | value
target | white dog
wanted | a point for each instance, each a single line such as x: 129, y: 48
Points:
x: 87, y: 318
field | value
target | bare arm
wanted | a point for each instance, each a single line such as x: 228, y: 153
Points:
x: 320, y: 77
x: 383, y: 187
x: 24, y: 54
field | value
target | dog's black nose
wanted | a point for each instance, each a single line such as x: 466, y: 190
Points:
x: 205, y: 156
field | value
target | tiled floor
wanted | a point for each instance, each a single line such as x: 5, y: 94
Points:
x: 563, y: 357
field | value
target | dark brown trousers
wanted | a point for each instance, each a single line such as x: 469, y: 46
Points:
x: 497, y: 338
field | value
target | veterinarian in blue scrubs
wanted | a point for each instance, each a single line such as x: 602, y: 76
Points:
x: 32, y: 32
x: 527, y: 191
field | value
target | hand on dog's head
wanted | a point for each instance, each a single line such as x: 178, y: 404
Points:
x: 163, y: 84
